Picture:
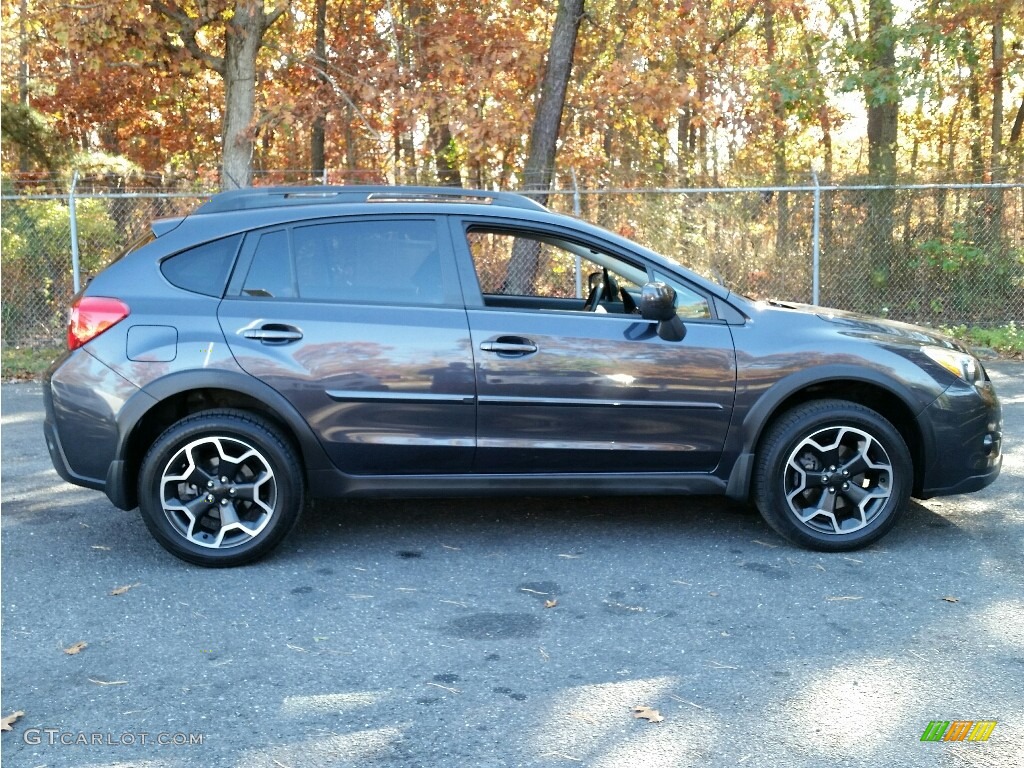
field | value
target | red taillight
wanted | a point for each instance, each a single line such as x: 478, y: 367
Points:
x: 91, y: 316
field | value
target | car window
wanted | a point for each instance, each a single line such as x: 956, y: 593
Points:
x: 393, y: 261
x: 527, y: 264
x: 203, y: 269
x: 690, y: 305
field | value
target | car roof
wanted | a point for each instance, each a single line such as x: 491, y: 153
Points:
x: 273, y: 197
x: 241, y: 210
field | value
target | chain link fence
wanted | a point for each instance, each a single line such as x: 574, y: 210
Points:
x: 36, y: 250
x: 944, y: 254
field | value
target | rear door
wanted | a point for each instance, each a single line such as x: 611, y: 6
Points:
x: 359, y: 324
x: 568, y: 385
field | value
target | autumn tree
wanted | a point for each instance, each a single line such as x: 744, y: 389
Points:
x: 238, y: 27
x: 547, y: 121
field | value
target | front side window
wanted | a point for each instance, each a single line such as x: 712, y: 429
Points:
x: 538, y: 266
x: 690, y: 305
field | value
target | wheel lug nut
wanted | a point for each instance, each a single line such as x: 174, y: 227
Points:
x: 223, y: 502
x: 231, y: 491
x: 831, y: 490
x: 223, y: 480
x: 209, y: 498
x: 846, y: 486
x: 832, y: 468
x: 846, y: 473
x: 209, y: 484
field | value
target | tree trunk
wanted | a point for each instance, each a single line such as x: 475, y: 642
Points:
x: 318, y: 134
x: 778, y: 153
x: 883, y: 121
x: 994, y: 206
x: 23, y: 157
x: 448, y: 173
x: 241, y: 46
x: 540, y: 162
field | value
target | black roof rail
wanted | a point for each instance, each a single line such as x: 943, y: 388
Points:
x: 269, y: 197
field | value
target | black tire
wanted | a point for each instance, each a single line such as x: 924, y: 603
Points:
x: 220, y: 488
x: 799, y: 482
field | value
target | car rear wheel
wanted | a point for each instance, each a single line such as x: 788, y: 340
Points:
x: 220, y: 488
x: 832, y: 475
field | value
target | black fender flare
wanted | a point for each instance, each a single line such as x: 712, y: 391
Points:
x: 750, y: 430
x: 133, y: 411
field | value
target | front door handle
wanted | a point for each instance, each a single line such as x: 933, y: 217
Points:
x: 273, y: 333
x: 512, y: 346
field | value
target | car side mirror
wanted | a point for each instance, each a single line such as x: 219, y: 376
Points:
x: 658, y: 304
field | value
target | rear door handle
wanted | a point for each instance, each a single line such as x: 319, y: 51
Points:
x: 273, y: 333
x: 509, y: 345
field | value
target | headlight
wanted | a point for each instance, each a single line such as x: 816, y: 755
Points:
x: 958, y: 363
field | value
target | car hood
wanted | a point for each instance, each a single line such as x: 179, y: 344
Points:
x: 874, y: 328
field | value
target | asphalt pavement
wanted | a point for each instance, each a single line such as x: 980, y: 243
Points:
x: 509, y: 632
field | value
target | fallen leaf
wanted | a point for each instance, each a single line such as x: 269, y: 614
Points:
x: 125, y: 588
x: 445, y: 688
x: 951, y: 599
x: 107, y: 682
x: 77, y: 648
x: 551, y: 603
x: 7, y: 722
x: 648, y: 714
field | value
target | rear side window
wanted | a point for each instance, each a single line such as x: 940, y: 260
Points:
x: 203, y: 269
x: 393, y: 261
x: 383, y: 260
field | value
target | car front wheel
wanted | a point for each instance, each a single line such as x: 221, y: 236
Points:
x: 832, y: 475
x: 220, y: 488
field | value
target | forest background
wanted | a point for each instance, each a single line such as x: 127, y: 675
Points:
x: 903, y: 119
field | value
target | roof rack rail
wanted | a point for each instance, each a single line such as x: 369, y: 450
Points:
x: 268, y: 197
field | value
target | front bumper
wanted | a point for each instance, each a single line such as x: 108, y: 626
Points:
x: 964, y: 452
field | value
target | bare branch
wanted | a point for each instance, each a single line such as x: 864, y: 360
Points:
x: 734, y: 30
x: 189, y: 28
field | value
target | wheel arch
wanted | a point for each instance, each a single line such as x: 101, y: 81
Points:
x: 889, y: 398
x: 165, y: 401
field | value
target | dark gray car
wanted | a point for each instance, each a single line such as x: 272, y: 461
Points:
x: 367, y: 341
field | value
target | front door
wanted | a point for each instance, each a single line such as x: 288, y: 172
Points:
x: 569, y: 379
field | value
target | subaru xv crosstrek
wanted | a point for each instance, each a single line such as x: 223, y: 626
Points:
x: 284, y: 343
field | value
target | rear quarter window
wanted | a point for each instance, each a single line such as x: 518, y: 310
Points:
x: 203, y: 269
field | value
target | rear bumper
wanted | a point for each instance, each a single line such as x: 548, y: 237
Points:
x: 60, y: 459
x: 83, y: 398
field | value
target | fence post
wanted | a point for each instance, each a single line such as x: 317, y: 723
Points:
x: 577, y: 210
x: 816, y: 247
x: 75, y: 263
